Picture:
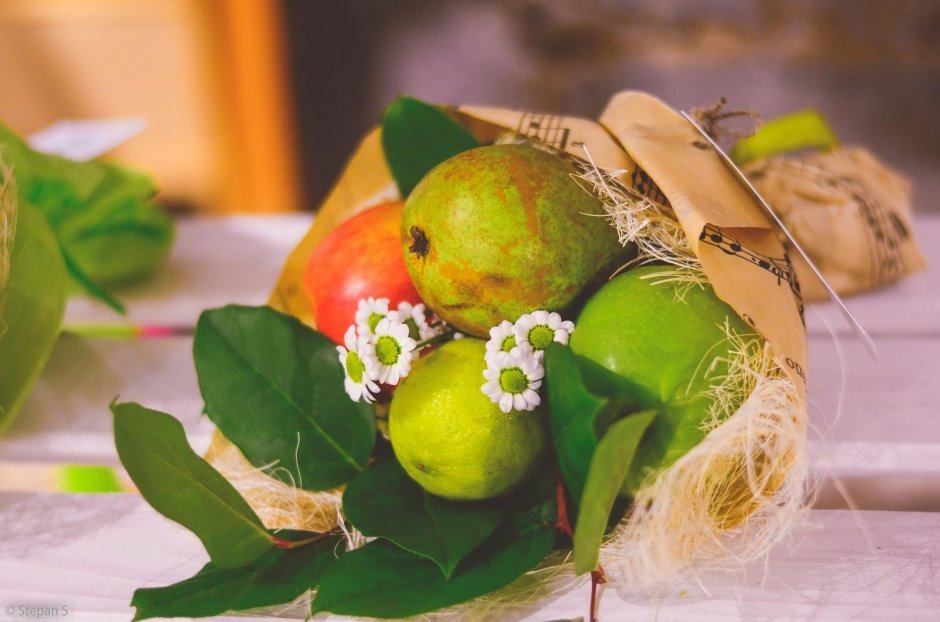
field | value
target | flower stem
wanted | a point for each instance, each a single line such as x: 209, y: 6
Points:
x: 446, y: 335
x: 283, y: 544
x: 564, y: 524
x: 597, y: 578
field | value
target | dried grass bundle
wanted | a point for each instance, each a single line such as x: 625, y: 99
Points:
x: 8, y: 210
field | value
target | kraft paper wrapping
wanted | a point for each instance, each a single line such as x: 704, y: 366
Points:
x: 849, y: 211
x: 739, y: 250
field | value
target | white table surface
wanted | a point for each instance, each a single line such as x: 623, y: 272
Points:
x: 883, y: 446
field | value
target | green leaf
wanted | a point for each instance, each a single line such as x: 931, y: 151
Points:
x: 383, y: 581
x: 275, y: 578
x: 184, y: 487
x: 806, y: 129
x: 32, y: 305
x: 274, y: 387
x: 609, y: 468
x: 384, y: 502
x: 416, y: 137
x: 87, y: 284
x: 577, y: 416
x: 102, y: 213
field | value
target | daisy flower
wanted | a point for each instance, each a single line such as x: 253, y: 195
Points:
x: 394, y: 350
x: 502, y: 339
x: 360, y: 366
x: 540, y: 328
x: 513, y: 379
x: 370, y: 312
x: 414, y: 317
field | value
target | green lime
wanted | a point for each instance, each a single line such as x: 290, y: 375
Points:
x: 449, y: 436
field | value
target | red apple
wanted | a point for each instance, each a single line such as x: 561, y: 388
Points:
x: 361, y: 257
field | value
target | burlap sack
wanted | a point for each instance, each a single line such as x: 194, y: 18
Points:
x: 7, y: 226
x: 850, y: 212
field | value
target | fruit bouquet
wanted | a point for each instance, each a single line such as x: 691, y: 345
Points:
x: 546, y: 349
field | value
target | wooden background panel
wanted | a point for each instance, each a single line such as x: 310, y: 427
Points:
x: 214, y: 262
x: 66, y: 418
x: 208, y: 76
x: 893, y: 400
x: 89, y: 551
x: 105, y: 58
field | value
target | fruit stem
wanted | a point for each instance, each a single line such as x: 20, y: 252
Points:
x: 597, y: 578
x: 283, y: 544
x: 445, y: 336
x: 564, y: 524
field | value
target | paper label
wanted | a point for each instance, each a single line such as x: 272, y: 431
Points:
x: 83, y: 140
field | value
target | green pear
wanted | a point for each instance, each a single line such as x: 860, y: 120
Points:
x: 499, y: 231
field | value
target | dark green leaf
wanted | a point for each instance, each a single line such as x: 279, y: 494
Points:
x: 87, y: 284
x: 384, y: 502
x: 577, y: 416
x: 275, y: 578
x: 416, y: 137
x: 609, y: 468
x: 184, y: 487
x: 383, y: 581
x: 102, y: 213
x: 274, y: 387
x: 32, y: 306
x: 536, y: 497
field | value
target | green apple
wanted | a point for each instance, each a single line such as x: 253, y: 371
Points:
x: 499, y: 231
x: 643, y: 341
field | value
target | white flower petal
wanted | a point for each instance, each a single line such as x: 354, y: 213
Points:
x: 349, y: 337
x: 532, y: 397
x: 391, y: 328
x: 523, y: 359
x: 492, y: 390
x: 553, y: 321
x: 366, y: 308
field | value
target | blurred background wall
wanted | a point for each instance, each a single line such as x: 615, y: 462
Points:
x: 256, y: 105
x: 210, y: 77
